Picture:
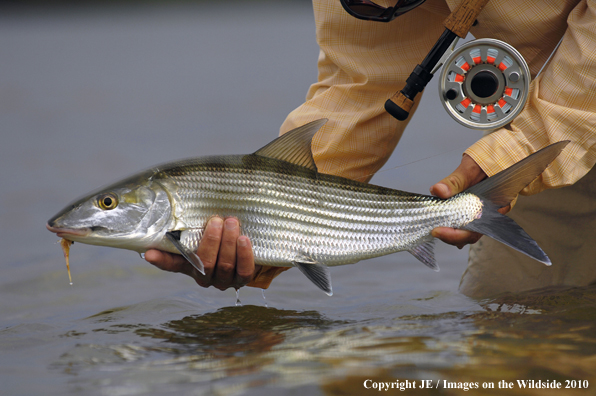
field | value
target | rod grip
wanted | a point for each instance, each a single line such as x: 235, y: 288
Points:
x: 399, y: 106
x: 462, y: 18
x: 457, y: 24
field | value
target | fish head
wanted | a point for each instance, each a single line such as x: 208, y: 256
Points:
x: 126, y: 215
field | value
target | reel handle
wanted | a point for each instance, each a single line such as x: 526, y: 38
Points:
x: 457, y: 24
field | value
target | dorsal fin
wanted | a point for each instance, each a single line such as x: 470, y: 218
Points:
x: 294, y: 146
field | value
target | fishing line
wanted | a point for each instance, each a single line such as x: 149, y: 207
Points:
x: 550, y: 57
x: 408, y: 163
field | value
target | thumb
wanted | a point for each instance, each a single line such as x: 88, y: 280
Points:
x: 449, y: 186
x: 466, y: 175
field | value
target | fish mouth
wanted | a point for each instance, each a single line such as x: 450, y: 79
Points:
x: 66, y: 232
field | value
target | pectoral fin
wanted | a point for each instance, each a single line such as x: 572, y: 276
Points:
x: 318, y: 274
x: 174, y: 237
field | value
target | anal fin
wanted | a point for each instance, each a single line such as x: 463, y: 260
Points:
x: 317, y: 274
x: 193, y: 259
x: 425, y: 252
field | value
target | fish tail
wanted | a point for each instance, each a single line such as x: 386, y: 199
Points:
x: 499, y: 190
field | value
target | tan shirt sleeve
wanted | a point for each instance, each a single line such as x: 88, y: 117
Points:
x: 361, y: 64
x: 562, y: 100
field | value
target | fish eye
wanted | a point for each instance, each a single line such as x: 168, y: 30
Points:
x: 107, y: 201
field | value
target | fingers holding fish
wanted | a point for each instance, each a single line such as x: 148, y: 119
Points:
x: 235, y: 263
x: 467, y: 174
x: 245, y: 262
x: 226, y: 259
x: 456, y: 237
x: 209, y: 248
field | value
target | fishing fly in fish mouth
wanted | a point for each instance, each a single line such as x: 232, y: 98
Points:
x: 293, y: 215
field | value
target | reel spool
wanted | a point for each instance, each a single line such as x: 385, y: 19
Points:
x: 484, y: 84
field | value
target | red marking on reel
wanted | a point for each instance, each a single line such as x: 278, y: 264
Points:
x: 508, y: 91
x: 490, y: 109
x: 466, y: 102
x: 502, y: 66
x: 477, y: 60
x: 465, y: 66
x: 477, y: 109
x: 459, y: 78
x: 490, y: 59
x: 502, y: 102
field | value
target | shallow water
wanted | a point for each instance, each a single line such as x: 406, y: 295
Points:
x: 88, y: 96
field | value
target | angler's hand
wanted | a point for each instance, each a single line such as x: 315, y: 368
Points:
x: 466, y: 175
x: 226, y: 255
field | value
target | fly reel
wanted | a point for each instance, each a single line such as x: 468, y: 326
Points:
x: 484, y: 84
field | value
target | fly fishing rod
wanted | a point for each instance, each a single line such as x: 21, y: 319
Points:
x: 457, y: 25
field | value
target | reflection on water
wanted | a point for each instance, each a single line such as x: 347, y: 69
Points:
x: 545, y: 336
x: 236, y: 331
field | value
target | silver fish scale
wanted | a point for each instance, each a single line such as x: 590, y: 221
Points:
x: 290, y: 216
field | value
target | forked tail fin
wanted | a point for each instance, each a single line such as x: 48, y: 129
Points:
x: 499, y: 190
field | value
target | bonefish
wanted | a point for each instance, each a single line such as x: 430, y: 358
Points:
x: 294, y: 215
